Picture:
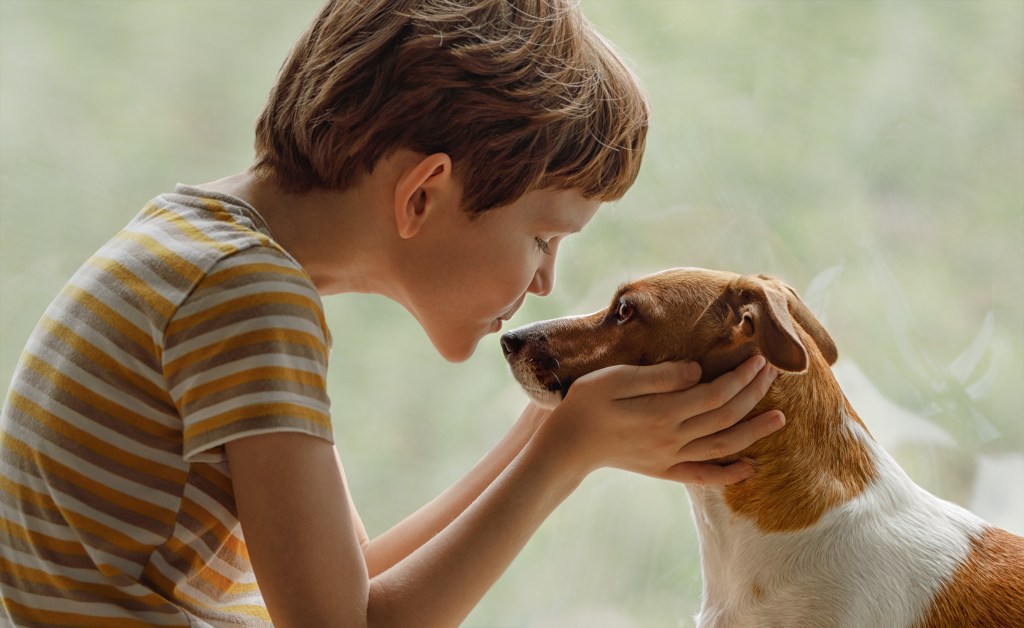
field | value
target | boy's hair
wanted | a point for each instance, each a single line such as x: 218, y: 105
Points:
x: 521, y: 94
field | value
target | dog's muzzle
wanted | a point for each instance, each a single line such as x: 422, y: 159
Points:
x: 531, y: 363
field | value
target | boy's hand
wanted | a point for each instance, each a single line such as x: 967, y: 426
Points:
x: 659, y: 421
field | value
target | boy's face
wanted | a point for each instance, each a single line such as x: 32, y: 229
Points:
x: 468, y: 275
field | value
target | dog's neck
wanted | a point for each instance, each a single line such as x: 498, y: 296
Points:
x: 821, y: 458
x: 828, y: 516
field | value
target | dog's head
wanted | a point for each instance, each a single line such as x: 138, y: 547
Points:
x: 717, y: 319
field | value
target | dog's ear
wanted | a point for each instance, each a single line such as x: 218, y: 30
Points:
x: 803, y: 316
x: 758, y: 313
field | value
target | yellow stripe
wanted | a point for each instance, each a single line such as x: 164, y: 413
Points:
x: 215, y: 477
x: 95, y: 354
x: 71, y: 619
x: 254, y: 375
x: 290, y: 410
x: 249, y: 609
x: 136, y: 463
x: 45, y: 503
x: 38, y: 539
x: 110, y: 316
x: 191, y: 231
x: 94, y: 400
x: 280, y: 336
x: 64, y: 583
x: 244, y: 302
x: 226, y: 274
x: 181, y: 266
x: 114, y: 497
x: 170, y: 588
x: 140, y: 288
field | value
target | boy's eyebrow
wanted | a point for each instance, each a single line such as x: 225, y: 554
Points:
x: 564, y: 227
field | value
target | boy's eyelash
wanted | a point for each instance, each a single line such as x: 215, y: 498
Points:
x: 543, y: 246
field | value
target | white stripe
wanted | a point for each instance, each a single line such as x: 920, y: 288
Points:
x: 114, y: 438
x: 90, y: 609
x: 295, y: 363
x: 215, y: 336
x: 97, y: 284
x: 119, y: 483
x: 221, y: 566
x: 211, y: 506
x: 71, y: 503
x: 212, y: 300
x: 183, y: 585
x: 107, y: 264
x: 129, y: 256
x: 261, y: 255
x: 253, y: 399
x: 56, y: 531
x: 103, y: 389
x: 87, y: 333
x: 33, y: 561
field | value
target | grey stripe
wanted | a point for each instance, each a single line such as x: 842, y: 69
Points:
x: 170, y: 444
x: 239, y: 353
x: 60, y: 593
x: 75, y: 448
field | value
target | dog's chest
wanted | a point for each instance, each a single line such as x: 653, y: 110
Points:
x: 877, y: 559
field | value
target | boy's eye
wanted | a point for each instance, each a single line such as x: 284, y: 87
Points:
x: 543, y: 245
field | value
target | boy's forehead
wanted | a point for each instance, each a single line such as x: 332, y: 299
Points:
x: 567, y: 211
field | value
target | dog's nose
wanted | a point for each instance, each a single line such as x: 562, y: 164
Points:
x: 510, y: 343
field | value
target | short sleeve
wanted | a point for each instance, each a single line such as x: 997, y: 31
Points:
x: 247, y: 353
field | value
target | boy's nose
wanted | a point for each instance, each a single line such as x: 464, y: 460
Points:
x: 543, y: 281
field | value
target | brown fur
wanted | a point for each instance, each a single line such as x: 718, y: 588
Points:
x: 993, y: 572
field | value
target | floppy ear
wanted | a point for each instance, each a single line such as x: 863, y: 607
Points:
x: 759, y: 313
x: 803, y: 316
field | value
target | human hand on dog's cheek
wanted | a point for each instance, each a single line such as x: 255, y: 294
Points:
x: 658, y: 421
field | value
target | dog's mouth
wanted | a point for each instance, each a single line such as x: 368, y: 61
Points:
x: 560, y: 385
x: 544, y: 370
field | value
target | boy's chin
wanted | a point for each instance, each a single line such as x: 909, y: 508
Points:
x: 455, y: 348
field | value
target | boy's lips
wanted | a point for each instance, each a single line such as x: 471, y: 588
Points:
x: 509, y: 313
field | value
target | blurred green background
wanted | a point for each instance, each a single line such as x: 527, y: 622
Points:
x: 870, y: 153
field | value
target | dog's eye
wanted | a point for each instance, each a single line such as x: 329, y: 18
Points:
x: 624, y: 312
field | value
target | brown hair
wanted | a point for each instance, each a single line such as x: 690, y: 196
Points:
x: 521, y: 94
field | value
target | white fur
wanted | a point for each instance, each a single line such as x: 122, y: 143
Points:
x: 876, y: 560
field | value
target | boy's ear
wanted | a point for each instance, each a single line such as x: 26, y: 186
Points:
x: 420, y: 189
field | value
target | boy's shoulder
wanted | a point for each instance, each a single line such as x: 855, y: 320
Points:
x: 181, y: 241
x: 191, y: 230
x: 201, y: 224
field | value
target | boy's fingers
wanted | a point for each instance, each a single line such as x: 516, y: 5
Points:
x: 708, y: 474
x: 666, y: 377
x: 722, y: 390
x: 733, y: 410
x: 735, y: 439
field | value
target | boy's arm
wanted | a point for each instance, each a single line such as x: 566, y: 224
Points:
x: 387, y: 549
x: 302, y: 539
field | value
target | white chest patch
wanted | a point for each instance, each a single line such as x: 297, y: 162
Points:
x: 876, y: 560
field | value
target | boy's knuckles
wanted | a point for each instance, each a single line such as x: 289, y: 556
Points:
x: 725, y: 420
x: 717, y: 397
x: 719, y: 449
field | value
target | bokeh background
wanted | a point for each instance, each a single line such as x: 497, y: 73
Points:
x: 870, y: 153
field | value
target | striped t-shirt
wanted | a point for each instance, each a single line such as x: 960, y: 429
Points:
x: 190, y: 328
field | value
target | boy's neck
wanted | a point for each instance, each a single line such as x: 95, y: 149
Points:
x: 334, y: 235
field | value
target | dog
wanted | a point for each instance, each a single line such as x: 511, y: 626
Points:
x: 830, y: 531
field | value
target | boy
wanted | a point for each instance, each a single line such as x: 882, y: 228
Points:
x: 174, y: 393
